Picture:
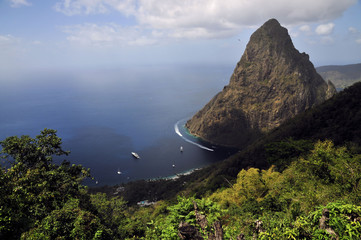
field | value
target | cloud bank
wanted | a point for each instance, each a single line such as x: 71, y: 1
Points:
x: 216, y: 14
x: 192, y: 19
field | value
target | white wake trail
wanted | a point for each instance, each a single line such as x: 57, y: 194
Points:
x: 176, y: 129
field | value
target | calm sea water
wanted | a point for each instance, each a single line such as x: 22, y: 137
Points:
x: 104, y: 115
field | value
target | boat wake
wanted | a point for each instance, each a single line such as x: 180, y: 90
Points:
x: 176, y: 129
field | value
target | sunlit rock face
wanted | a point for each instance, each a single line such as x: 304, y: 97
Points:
x: 272, y: 82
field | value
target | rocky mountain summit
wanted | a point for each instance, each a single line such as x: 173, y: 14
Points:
x: 272, y: 82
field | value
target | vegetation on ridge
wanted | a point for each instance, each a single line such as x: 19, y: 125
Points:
x: 317, y: 196
x: 305, y: 188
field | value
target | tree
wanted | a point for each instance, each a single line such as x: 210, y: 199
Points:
x: 33, y: 152
x: 34, y: 186
x: 283, y: 153
x: 251, y: 184
x: 69, y: 222
x: 187, y: 210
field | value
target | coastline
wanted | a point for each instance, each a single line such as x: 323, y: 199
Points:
x: 203, y: 140
x: 202, y: 143
x: 176, y: 176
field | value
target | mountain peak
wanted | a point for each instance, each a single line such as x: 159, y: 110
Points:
x: 271, y: 29
x: 272, y: 24
x: 272, y: 82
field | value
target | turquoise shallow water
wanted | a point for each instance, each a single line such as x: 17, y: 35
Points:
x: 104, y: 115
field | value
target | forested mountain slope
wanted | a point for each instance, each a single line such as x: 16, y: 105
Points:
x: 337, y: 119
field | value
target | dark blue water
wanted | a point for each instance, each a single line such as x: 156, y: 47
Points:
x: 104, y: 115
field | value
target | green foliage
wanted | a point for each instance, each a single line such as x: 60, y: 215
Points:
x: 283, y: 200
x: 322, y: 159
x: 184, y: 211
x: 344, y: 221
x: 69, y: 222
x: 327, y: 173
x: 33, y: 152
x: 281, y: 154
x: 42, y: 200
x: 33, y: 186
x: 277, y: 226
x: 251, y: 184
x: 111, y: 210
x: 124, y: 221
x: 30, y: 194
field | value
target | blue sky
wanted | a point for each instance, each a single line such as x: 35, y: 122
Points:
x: 81, y: 34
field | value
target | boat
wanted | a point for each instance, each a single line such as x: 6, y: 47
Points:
x: 181, y: 148
x: 135, y: 155
x: 119, y: 172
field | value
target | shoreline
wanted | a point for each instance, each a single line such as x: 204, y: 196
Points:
x: 177, y: 130
x: 176, y: 176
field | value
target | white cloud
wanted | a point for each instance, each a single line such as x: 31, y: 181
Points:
x: 210, y: 19
x: 229, y: 13
x: 305, y: 28
x: 106, y: 35
x: 325, y: 29
x: 127, y: 7
x: 19, y: 3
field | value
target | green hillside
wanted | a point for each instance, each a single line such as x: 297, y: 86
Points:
x: 341, y: 75
x: 338, y: 119
x: 300, y: 181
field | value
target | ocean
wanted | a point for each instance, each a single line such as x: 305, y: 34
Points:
x: 102, y: 115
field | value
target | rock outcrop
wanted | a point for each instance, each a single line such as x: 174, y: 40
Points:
x: 272, y: 82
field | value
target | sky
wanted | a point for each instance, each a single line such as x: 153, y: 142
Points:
x: 81, y: 34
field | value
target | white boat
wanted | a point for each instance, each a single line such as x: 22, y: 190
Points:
x: 135, y: 155
x: 119, y: 172
x: 181, y: 148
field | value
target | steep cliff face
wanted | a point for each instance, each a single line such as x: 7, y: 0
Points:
x: 271, y: 83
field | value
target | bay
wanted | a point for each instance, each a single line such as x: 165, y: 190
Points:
x: 103, y: 115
